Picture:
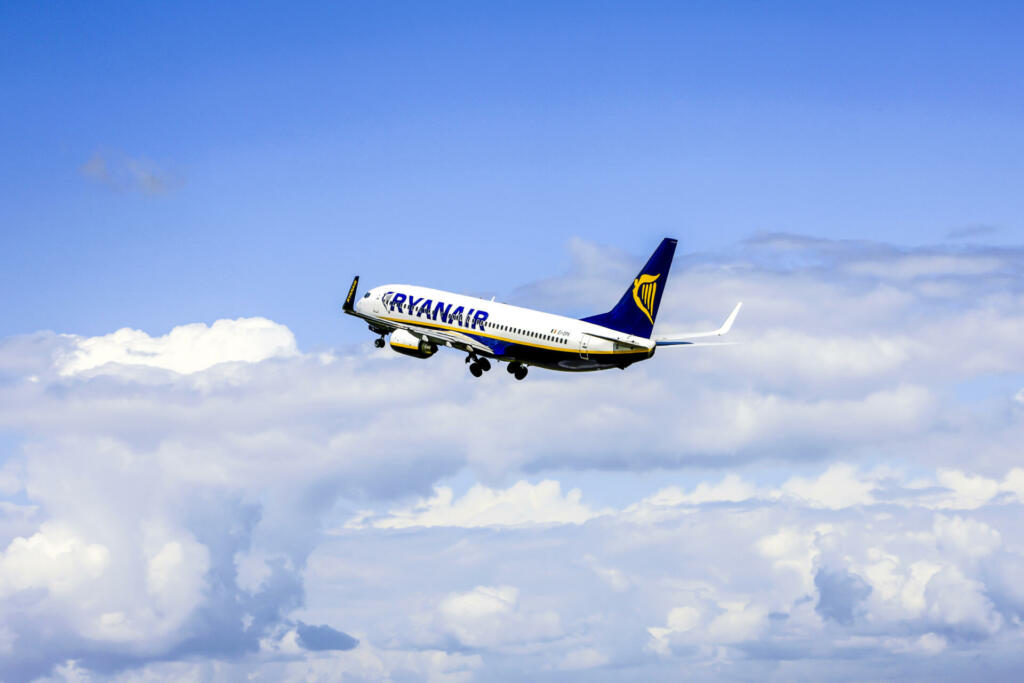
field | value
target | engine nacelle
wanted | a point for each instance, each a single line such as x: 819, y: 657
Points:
x: 411, y: 345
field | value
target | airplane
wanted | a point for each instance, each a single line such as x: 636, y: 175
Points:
x: 422, y: 320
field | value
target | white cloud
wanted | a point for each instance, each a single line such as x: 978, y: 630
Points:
x: 958, y: 601
x: 715, y: 623
x: 491, y: 616
x: 185, y: 349
x: 838, y: 487
x: 792, y: 550
x: 730, y: 489
x: 176, y: 567
x: 898, y: 588
x: 55, y: 558
x: 740, y: 621
x: 522, y: 503
x: 967, y: 536
x: 967, y: 491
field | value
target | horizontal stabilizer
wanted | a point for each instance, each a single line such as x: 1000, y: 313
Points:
x: 684, y: 339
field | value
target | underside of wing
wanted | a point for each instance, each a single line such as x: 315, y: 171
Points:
x: 447, y: 338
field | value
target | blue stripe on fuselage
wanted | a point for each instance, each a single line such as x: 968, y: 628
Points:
x: 438, y: 310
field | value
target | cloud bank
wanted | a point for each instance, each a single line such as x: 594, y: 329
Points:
x: 837, y: 496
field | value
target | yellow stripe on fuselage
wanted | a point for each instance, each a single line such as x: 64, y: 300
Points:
x: 567, y: 349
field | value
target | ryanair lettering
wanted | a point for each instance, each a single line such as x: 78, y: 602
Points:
x: 438, y: 311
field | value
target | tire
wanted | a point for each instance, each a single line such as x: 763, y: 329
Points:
x: 520, y: 373
x: 475, y: 370
x: 484, y: 363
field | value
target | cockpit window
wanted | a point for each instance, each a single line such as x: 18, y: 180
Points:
x: 366, y: 296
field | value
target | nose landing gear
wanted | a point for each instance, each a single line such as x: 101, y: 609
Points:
x: 379, y: 343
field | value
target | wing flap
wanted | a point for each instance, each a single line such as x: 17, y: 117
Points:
x: 447, y: 337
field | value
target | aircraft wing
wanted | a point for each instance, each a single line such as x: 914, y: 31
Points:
x: 684, y: 339
x: 446, y: 337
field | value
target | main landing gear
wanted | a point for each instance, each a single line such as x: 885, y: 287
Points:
x: 517, y: 369
x: 477, y: 365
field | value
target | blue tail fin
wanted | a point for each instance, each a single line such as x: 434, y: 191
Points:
x: 638, y: 307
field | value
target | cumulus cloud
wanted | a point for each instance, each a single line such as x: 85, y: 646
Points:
x: 54, y: 559
x: 185, y: 349
x: 713, y: 623
x: 838, y: 487
x: 491, y: 616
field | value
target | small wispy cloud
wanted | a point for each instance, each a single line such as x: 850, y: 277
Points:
x: 129, y: 174
x: 971, y: 232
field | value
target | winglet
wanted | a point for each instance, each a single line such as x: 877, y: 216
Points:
x: 350, y: 299
x: 728, y: 321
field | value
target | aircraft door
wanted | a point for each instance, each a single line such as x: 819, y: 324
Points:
x: 583, y: 347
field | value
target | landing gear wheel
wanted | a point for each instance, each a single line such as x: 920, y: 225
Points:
x: 475, y: 370
x: 484, y: 364
x: 520, y: 372
x: 512, y: 367
x: 379, y: 343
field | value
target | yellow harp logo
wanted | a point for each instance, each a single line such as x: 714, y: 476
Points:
x: 644, y: 289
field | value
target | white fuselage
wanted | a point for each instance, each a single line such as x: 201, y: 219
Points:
x: 511, y: 332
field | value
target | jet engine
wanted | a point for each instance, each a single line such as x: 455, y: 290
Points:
x: 411, y: 345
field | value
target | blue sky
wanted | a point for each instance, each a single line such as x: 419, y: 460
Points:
x: 464, y: 145
x: 206, y: 473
